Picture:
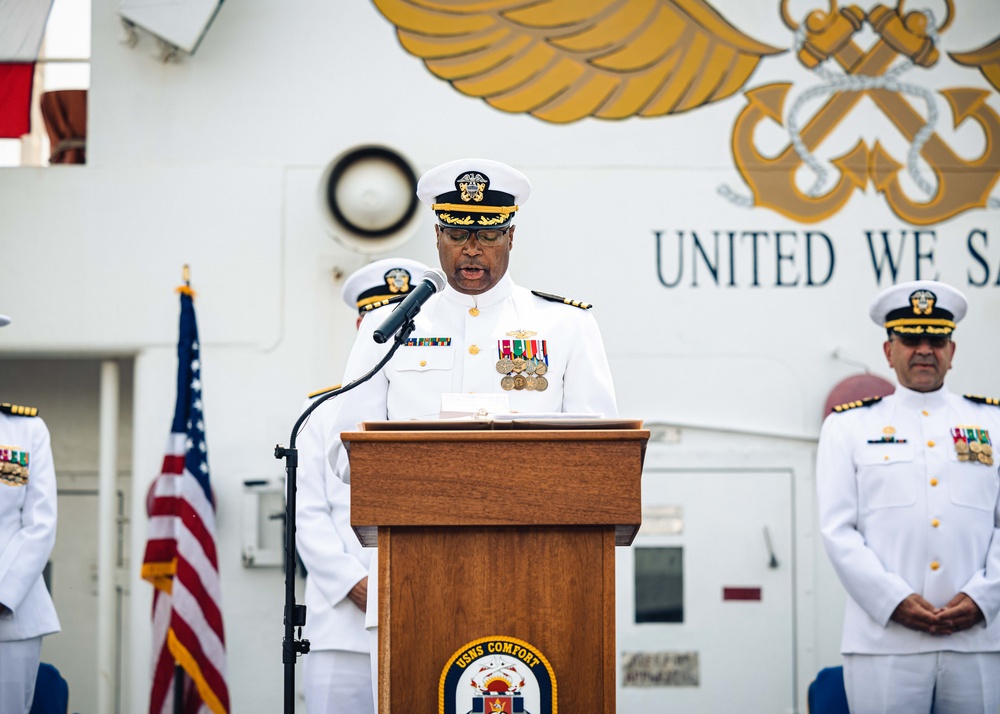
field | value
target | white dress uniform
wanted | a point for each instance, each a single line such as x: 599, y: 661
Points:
x: 457, y: 342
x: 900, y: 513
x: 337, y: 671
x: 27, y: 534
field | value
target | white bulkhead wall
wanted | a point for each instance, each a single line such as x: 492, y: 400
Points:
x: 214, y: 162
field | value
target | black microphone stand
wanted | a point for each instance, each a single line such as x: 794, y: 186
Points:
x: 295, y: 615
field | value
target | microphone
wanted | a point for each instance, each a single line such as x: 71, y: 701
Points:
x: 406, y: 310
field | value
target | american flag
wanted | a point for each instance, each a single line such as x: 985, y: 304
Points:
x: 181, y: 560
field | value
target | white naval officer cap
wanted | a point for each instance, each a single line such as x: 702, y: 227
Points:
x: 382, y: 282
x: 919, y: 307
x: 479, y: 193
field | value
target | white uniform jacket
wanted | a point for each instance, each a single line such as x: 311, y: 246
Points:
x: 329, y: 548
x: 901, y: 514
x: 27, y: 527
x: 464, y: 360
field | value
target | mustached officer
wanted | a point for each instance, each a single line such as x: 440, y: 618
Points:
x: 909, y: 501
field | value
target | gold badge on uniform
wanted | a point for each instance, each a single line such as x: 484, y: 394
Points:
x: 973, y: 444
x: 13, y: 466
x: 522, y: 362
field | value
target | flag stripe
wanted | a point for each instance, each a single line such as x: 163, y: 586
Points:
x: 182, y: 520
x: 207, y: 678
x: 202, y: 604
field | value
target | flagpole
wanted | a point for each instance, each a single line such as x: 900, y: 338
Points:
x: 178, y: 670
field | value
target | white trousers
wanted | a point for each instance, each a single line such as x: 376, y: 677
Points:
x: 935, y: 682
x: 18, y: 670
x: 335, y: 681
x: 373, y: 640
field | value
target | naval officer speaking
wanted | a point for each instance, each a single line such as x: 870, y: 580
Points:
x: 481, y: 333
x: 909, y: 501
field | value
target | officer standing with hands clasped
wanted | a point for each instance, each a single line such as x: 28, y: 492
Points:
x: 27, y: 534
x: 909, y: 499
x: 481, y: 333
x: 337, y: 672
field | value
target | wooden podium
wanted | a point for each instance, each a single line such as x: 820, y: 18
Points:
x: 496, y: 529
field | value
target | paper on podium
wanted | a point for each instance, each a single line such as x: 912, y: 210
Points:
x: 505, y: 422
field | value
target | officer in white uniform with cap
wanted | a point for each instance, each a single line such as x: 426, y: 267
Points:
x: 909, y: 501
x: 337, y: 671
x: 481, y: 333
x: 27, y: 534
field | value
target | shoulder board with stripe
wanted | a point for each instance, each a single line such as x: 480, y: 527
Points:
x: 321, y: 392
x: 565, y: 300
x: 17, y: 410
x: 980, y: 399
x: 866, y: 402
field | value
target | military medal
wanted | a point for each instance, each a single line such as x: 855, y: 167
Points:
x: 522, y: 362
x: 961, y: 444
x: 973, y: 444
x: 504, y: 365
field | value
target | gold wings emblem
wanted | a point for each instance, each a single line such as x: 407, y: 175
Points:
x: 986, y: 58
x: 563, y: 60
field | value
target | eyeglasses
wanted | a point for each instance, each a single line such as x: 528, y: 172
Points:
x: 935, y: 342
x: 485, y: 236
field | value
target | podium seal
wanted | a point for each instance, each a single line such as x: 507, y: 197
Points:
x: 497, y: 675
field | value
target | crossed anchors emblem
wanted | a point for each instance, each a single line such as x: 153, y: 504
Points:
x: 960, y: 184
x: 565, y: 60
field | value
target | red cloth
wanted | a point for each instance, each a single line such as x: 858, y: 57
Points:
x: 16, y: 79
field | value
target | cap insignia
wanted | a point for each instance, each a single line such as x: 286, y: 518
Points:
x: 923, y: 302
x: 472, y: 186
x: 398, y: 280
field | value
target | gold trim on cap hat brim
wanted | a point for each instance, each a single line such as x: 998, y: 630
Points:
x: 468, y: 208
x: 920, y: 322
x: 376, y: 298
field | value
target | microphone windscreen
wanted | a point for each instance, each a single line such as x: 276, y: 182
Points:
x: 436, y: 277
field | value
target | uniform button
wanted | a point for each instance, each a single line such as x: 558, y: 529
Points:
x: 935, y: 522
x: 935, y: 565
x: 886, y: 457
x: 933, y: 482
x: 925, y: 412
x: 473, y: 350
x: 930, y: 444
x: 423, y: 363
